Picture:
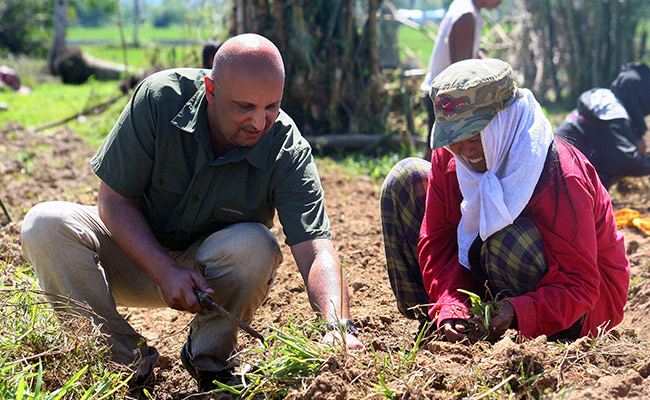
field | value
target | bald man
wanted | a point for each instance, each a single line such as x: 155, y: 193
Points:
x: 191, y: 176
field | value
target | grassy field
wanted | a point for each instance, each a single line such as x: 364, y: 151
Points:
x: 146, y: 34
x: 416, y: 43
x: 50, y: 102
x: 147, y: 56
x: 179, y: 45
x: 172, y: 46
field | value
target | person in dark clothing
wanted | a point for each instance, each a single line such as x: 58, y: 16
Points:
x: 608, y: 125
x: 209, y: 50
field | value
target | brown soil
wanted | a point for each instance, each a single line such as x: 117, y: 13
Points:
x: 54, y: 166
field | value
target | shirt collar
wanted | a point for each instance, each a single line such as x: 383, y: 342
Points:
x: 188, y: 121
x: 187, y: 118
x: 258, y: 155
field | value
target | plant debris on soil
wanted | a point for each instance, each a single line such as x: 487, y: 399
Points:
x: 53, y: 165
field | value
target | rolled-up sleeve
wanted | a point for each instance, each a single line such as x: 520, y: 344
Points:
x: 299, y: 198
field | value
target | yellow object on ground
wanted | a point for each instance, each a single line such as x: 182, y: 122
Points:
x: 629, y: 217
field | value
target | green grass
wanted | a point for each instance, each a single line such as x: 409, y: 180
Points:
x: 173, y: 46
x: 288, y: 356
x: 146, y: 34
x: 94, y: 128
x: 294, y: 354
x: 354, y: 164
x: 414, y: 42
x: 35, y: 344
x: 147, y: 56
x: 51, y: 101
x: 484, y: 309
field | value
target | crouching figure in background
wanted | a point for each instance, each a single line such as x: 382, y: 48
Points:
x: 608, y: 125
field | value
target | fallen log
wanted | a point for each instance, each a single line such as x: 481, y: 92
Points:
x: 76, y: 67
x: 99, y: 108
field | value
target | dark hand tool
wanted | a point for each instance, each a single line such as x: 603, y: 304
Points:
x: 208, y: 303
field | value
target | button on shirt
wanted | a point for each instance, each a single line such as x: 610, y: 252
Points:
x: 159, y: 152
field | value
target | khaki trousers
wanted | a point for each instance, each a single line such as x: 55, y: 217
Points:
x: 75, y: 257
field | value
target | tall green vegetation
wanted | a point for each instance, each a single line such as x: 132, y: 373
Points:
x: 564, y: 47
x: 330, y: 51
x: 24, y: 26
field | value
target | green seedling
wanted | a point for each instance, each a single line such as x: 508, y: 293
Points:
x: 480, y: 308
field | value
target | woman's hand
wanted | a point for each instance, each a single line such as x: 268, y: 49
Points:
x: 454, y: 330
x: 504, y: 320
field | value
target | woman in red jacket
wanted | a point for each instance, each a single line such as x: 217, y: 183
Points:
x: 508, y: 207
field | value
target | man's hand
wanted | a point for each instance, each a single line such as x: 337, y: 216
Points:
x: 351, y: 342
x: 134, y: 236
x: 319, y: 266
x: 454, y: 330
x: 501, y: 322
x: 177, y: 286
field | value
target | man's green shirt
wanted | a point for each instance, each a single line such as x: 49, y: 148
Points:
x: 159, y: 152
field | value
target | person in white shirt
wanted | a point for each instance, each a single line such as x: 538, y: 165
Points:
x: 458, y: 39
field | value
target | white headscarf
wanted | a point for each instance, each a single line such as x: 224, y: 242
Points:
x: 515, y: 143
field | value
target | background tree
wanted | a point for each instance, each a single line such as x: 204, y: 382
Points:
x: 168, y: 12
x: 93, y: 13
x: 331, y: 57
x: 60, y: 26
x: 568, y: 46
x: 24, y: 25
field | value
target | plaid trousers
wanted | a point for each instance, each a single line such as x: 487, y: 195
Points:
x: 403, y: 196
x: 511, y: 260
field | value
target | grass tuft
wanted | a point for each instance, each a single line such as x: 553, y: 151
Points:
x: 48, y: 355
x: 286, y: 359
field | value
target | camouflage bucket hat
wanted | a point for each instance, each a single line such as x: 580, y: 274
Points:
x: 467, y: 95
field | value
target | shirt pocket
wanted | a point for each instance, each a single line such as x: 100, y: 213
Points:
x: 167, y: 190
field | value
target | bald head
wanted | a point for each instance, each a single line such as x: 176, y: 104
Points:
x: 244, y: 92
x: 248, y: 53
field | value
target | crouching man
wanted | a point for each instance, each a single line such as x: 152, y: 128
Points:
x: 191, y: 176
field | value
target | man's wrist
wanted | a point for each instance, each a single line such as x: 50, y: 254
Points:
x: 344, y: 325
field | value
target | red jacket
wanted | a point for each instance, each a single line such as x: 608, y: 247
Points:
x: 588, y: 271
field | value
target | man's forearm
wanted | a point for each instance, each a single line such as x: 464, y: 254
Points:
x: 324, y: 278
x: 327, y: 288
x: 328, y: 292
x: 132, y: 233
